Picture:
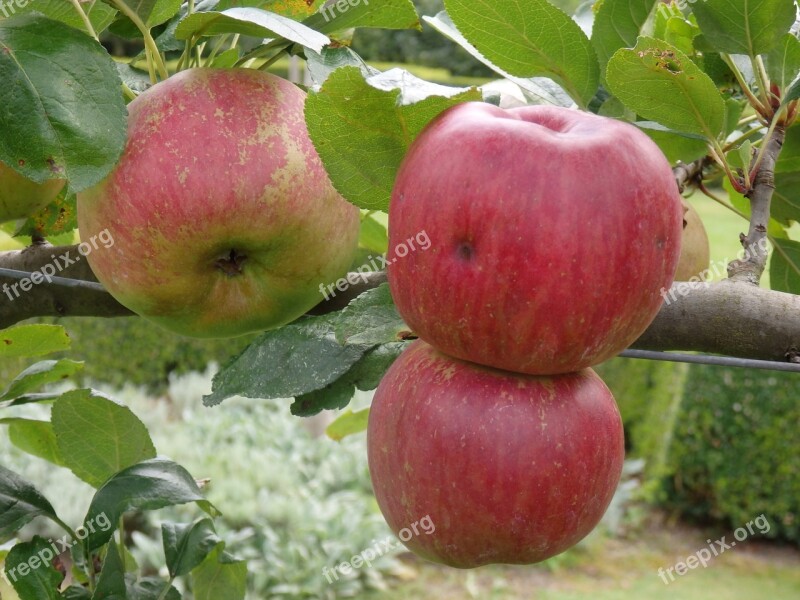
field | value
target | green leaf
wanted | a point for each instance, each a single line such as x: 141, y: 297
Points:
x: 371, y: 318
x: 617, y: 24
x: 31, y: 398
x: 150, y: 485
x: 373, y: 236
x: 98, y: 437
x: 659, y: 82
x: 383, y: 14
x: 111, y: 584
x: 298, y: 358
x: 676, y: 145
x: 789, y: 157
x: 166, y: 40
x: 152, y: 12
x: 333, y: 396
x: 186, y: 545
x: 63, y: 113
x: 783, y: 61
x: 78, y: 592
x: 749, y: 27
x: 35, y: 438
x: 150, y: 588
x: 793, y: 93
x: 530, y: 38
x: 348, y: 423
x: 364, y: 375
x: 362, y: 128
x: 220, y: 576
x: 39, y: 583
x: 20, y: 503
x: 538, y: 90
x: 100, y: 14
x: 680, y: 33
x: 784, y: 266
x: 225, y: 60
x: 253, y: 22
x: 785, y: 205
x: 39, y: 374
x: 746, y: 153
x: 32, y: 340
x: 321, y: 65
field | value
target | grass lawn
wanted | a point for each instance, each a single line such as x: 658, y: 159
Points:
x: 622, y: 570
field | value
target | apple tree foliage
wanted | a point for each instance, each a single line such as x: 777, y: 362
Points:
x: 716, y: 84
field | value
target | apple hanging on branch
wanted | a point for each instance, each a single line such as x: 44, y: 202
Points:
x: 510, y: 468
x: 223, y: 218
x: 20, y: 197
x: 553, y: 232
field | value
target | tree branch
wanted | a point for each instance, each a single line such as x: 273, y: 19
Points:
x: 41, y: 299
x: 729, y: 317
x: 750, y: 268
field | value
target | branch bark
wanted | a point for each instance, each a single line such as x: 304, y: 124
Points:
x: 729, y: 317
x: 750, y: 268
x: 41, y: 299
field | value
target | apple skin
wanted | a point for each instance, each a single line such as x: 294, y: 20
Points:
x: 218, y: 166
x: 510, y: 468
x: 20, y: 197
x: 695, y: 250
x: 552, y: 233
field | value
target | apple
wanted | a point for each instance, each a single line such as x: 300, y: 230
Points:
x: 503, y: 467
x: 695, y: 251
x: 552, y: 233
x: 20, y: 197
x: 222, y: 216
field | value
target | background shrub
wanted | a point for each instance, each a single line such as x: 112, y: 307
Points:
x: 736, y: 452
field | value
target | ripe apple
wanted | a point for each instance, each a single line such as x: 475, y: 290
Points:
x: 509, y: 468
x: 223, y: 218
x: 552, y: 233
x: 695, y: 251
x: 20, y: 197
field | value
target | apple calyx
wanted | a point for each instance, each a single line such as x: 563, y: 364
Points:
x: 231, y: 264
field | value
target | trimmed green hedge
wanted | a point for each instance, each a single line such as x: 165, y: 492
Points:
x: 736, y: 449
x: 719, y: 443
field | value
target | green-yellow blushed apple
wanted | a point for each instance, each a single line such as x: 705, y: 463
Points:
x: 553, y: 232
x: 223, y: 218
x: 20, y: 197
x: 509, y: 468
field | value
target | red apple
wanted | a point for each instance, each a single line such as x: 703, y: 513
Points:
x: 552, y: 233
x: 223, y: 218
x: 20, y: 197
x: 503, y: 467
